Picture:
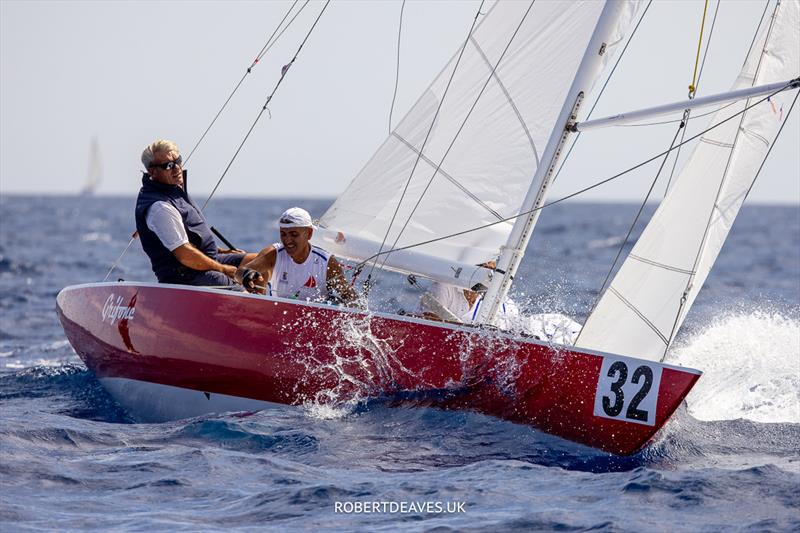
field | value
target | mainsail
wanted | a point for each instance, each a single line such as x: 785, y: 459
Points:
x: 646, y: 303
x: 488, y: 169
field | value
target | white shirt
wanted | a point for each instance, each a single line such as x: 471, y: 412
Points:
x: 454, y: 300
x: 166, y: 222
x: 302, y: 281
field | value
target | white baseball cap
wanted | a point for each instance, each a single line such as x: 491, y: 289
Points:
x: 295, y: 217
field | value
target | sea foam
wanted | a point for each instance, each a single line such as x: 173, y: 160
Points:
x: 751, y: 367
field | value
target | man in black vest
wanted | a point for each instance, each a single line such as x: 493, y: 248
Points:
x: 173, y: 230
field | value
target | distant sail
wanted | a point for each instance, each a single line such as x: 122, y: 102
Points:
x: 641, y: 311
x: 95, y: 174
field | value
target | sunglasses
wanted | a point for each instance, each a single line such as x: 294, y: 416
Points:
x: 169, y: 165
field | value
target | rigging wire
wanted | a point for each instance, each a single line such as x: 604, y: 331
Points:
x: 261, y: 53
x: 422, y: 147
x: 695, y: 82
x: 115, y: 263
x: 755, y: 35
x: 455, y: 137
x: 579, y: 192
x: 635, y: 220
x: 771, y: 146
x: 264, y: 49
x: 674, y: 121
x: 699, y: 253
x: 284, y: 71
x: 602, y: 90
x: 397, y: 72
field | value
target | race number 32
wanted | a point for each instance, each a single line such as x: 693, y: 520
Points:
x: 627, y: 390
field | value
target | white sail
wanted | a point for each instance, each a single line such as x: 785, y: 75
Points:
x: 488, y: 170
x: 95, y: 173
x: 642, y: 309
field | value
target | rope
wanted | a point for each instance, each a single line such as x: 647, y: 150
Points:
x: 284, y: 70
x: 693, y: 86
x: 693, y: 89
x: 427, y: 135
x: 576, y: 193
x: 455, y: 137
x: 264, y: 49
x: 260, y: 54
x: 397, y: 72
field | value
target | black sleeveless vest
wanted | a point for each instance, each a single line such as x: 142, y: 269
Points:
x: 165, y: 266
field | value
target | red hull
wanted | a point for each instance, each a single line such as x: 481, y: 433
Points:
x: 292, y: 353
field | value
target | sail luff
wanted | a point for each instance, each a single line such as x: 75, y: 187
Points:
x: 609, y: 29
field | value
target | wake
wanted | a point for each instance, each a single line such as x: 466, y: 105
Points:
x: 751, y: 366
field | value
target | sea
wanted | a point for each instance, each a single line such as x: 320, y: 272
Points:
x: 72, y: 459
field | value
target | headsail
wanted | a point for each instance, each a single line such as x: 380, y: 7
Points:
x: 488, y: 170
x: 646, y: 303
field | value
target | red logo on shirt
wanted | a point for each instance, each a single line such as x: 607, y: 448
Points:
x: 310, y: 282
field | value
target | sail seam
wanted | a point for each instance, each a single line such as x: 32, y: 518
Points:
x: 716, y: 143
x: 756, y: 135
x: 662, y: 265
x: 448, y: 176
x: 639, y: 314
x: 508, y: 97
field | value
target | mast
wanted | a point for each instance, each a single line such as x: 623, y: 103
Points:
x: 613, y: 15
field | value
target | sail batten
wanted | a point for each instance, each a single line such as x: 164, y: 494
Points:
x: 690, y: 226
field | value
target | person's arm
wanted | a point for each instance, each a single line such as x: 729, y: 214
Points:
x: 166, y: 222
x: 338, y: 283
x: 263, y: 264
x: 191, y: 257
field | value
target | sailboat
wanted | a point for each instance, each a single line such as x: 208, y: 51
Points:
x: 95, y: 173
x: 462, y: 179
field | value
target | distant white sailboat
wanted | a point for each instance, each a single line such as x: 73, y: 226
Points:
x: 95, y: 174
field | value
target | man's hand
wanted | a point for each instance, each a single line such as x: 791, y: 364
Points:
x: 253, y: 281
x: 191, y: 257
x: 231, y: 251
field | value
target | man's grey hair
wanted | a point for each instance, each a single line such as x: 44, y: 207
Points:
x: 161, y: 145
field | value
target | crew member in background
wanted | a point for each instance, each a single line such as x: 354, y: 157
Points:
x: 173, y: 230
x: 294, y: 267
x: 464, y: 304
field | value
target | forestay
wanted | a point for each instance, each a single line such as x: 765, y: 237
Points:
x: 642, y: 309
x: 488, y: 170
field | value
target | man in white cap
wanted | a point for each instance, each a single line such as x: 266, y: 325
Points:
x: 294, y: 267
